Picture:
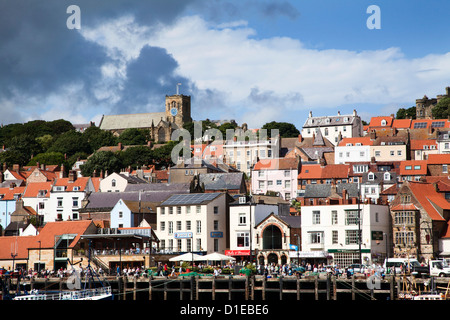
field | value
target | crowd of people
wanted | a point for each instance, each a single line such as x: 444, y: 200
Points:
x: 165, y: 269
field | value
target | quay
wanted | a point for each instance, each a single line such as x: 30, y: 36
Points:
x: 243, y: 288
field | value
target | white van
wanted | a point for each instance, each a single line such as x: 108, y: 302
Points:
x: 398, y: 264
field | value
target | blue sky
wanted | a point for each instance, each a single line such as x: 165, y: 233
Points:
x: 254, y: 61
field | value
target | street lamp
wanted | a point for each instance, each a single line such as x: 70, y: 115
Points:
x: 298, y: 248
x: 39, y: 264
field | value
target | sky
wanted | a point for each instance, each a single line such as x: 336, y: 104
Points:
x: 253, y: 61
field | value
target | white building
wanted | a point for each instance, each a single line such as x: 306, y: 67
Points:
x: 65, y: 198
x: 334, y: 127
x: 194, y: 222
x: 353, y: 150
x: 334, y: 229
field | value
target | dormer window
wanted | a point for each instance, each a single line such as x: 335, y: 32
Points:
x: 371, y: 176
x: 383, y: 122
x: 348, y: 144
x: 387, y: 176
x: 113, y: 182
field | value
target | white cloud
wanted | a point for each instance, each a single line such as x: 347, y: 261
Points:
x: 228, y: 59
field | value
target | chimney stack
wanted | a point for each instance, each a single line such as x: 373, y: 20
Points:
x: 72, y: 176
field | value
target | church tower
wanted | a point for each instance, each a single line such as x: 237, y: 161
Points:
x: 178, y: 109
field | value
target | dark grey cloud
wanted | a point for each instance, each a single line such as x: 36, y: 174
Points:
x: 39, y: 55
x: 149, y: 78
x: 271, y: 98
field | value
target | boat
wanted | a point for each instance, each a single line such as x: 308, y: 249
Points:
x: 86, y: 293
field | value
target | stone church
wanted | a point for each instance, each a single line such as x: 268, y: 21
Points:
x: 160, y: 124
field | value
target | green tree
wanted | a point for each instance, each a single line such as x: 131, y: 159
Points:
x: 47, y: 158
x: 69, y: 143
x: 135, y: 157
x: 442, y: 109
x: 403, y: 113
x: 97, y: 138
x: 133, y: 137
x: 101, y: 161
x: 286, y: 130
x: 24, y: 147
x: 162, y: 156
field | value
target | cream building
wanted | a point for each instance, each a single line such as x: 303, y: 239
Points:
x: 194, y: 222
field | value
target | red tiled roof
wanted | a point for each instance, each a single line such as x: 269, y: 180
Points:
x: 80, y: 182
x: 428, y: 198
x: 438, y: 159
x: 9, y: 193
x: 365, y: 141
x: 376, y: 121
x: 430, y: 121
x: 276, y: 164
x: 21, y: 244
x: 418, y: 167
x: 417, y: 144
x: 401, y: 207
x: 33, y: 188
x: 401, y: 123
x: 316, y: 171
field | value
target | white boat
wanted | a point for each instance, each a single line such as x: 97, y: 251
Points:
x: 429, y: 297
x: 103, y: 293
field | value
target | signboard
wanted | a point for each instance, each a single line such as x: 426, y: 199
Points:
x: 216, y: 234
x: 237, y: 252
x: 293, y: 247
x: 377, y: 235
x: 182, y: 235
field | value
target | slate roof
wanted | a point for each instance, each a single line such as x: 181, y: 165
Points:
x: 325, y: 190
x: 379, y: 177
x: 125, y: 121
x: 332, y: 121
x: 222, y: 181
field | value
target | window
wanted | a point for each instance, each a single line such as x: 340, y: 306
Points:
x: 316, y: 237
x: 179, y: 245
x: 287, y: 173
x: 371, y: 176
x: 279, y: 182
x: 199, y: 226
x: 199, y: 244
x: 216, y: 210
x: 417, y: 167
x: 269, y: 183
x: 170, y: 210
x: 188, y: 209
x: 75, y: 202
x: 216, y: 245
x: 242, y: 219
x: 408, y: 167
x: 404, y: 217
x: 351, y: 237
x: 170, y: 227
x: 260, y: 184
x: 392, y: 152
x: 399, y: 152
x: 188, y: 225
x: 162, y: 225
x: 404, y: 238
x: 287, y: 196
x: 351, y: 217
x: 113, y: 182
x: 120, y: 214
x: 189, y: 245
x: 198, y: 209
x: 334, y: 217
x: 216, y: 225
x: 377, y: 153
x: 334, y: 237
x: 444, y: 168
x: 287, y: 183
x: 242, y: 239
x: 316, y: 217
x: 60, y: 202
x: 178, y: 210
x: 178, y: 225
x: 163, y: 211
